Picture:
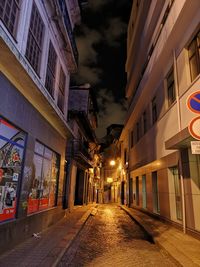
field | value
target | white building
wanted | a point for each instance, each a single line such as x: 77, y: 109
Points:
x: 163, y: 70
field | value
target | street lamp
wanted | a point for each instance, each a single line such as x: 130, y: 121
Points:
x: 112, y: 162
x: 109, y: 180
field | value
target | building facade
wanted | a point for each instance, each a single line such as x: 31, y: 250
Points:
x: 163, y: 69
x: 82, y: 152
x: 37, y: 55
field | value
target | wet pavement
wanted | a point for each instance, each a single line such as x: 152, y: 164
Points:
x: 112, y: 238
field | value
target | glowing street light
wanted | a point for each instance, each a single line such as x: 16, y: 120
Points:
x: 109, y: 180
x: 112, y: 162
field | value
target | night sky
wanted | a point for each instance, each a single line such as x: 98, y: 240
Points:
x: 101, y: 42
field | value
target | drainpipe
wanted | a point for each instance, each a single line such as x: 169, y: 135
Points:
x: 180, y: 128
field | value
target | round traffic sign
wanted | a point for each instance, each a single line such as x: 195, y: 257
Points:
x: 193, y: 102
x: 194, y: 128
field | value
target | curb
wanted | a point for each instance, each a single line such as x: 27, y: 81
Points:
x: 145, y: 227
x: 150, y: 234
x: 77, y: 228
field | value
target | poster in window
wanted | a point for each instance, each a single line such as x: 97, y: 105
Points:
x: 11, y: 157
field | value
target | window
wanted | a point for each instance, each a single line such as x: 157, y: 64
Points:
x: 194, y: 56
x: 156, y: 204
x: 125, y: 156
x: 177, y: 189
x: 44, y: 186
x: 9, y: 12
x: 144, y: 121
x: 131, y: 139
x: 144, y: 192
x: 154, y: 110
x: 137, y: 131
x: 137, y: 191
x: 171, y: 88
x: 12, y: 142
x: 35, y: 39
x: 61, y: 92
x: 51, y: 68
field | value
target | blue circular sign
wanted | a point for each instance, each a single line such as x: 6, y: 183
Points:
x: 193, y: 102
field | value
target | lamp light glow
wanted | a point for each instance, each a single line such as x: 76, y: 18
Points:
x: 112, y: 162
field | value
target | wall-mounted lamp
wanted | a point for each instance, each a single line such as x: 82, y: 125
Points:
x: 112, y: 162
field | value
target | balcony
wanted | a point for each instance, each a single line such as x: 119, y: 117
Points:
x: 79, y: 152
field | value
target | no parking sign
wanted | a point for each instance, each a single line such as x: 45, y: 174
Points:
x: 193, y: 104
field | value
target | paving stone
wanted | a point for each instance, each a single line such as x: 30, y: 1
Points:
x: 112, y: 238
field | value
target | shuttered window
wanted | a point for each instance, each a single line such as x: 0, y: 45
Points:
x: 194, y: 56
x: 9, y: 13
x: 35, y: 39
x: 61, y: 92
x: 51, y: 68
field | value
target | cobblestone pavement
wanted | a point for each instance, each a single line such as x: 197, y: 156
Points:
x: 112, y: 238
x: 43, y: 251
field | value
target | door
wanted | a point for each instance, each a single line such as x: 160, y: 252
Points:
x: 156, y: 206
x: 177, y: 188
x: 137, y: 191
x: 144, y: 193
x: 131, y: 191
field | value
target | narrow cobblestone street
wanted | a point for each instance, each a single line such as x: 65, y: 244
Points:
x: 112, y: 238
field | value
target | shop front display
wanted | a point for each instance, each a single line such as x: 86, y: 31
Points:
x: 45, y: 179
x: 12, y: 142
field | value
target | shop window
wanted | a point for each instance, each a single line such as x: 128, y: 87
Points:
x: 43, y: 193
x: 35, y: 39
x: 61, y: 92
x: 9, y: 12
x: 51, y: 69
x: 170, y: 88
x: 194, y: 56
x: 12, y: 142
x: 154, y: 110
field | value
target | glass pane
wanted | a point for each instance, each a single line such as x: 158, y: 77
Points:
x: 35, y: 193
x: 192, y: 48
x: 54, y: 179
x: 45, y: 184
x: 48, y: 153
x: 10, y: 132
x: 39, y: 148
x: 193, y: 68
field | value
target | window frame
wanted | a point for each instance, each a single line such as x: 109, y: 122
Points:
x: 170, y: 87
x: 51, y: 69
x: 41, y: 154
x: 144, y: 122
x: 154, y: 111
x: 61, y: 90
x: 16, y: 20
x: 32, y: 39
x: 195, y: 55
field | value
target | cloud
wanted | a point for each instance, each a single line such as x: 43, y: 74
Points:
x: 110, y: 112
x: 85, y: 45
x: 96, y: 5
x: 88, y: 74
x: 116, y: 28
x: 88, y: 56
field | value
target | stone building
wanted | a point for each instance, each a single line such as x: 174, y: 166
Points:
x: 37, y: 55
x: 83, y: 160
